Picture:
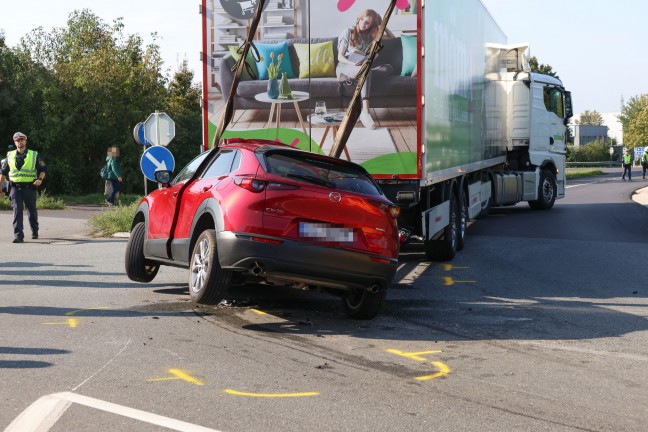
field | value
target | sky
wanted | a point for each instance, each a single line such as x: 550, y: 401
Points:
x: 599, y: 48
x: 177, y: 23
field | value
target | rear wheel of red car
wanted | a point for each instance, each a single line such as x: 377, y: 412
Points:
x: 208, y: 282
x: 363, y: 304
x: 139, y: 268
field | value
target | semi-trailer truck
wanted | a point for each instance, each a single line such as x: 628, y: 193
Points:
x: 463, y: 125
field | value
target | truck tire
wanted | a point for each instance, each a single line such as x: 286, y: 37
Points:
x: 208, y: 282
x: 363, y: 304
x: 463, y: 220
x: 547, y: 191
x: 445, y: 248
x: 138, y: 268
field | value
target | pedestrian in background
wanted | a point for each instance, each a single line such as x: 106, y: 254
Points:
x: 626, y: 160
x: 26, y: 171
x: 114, y: 174
x: 644, y: 163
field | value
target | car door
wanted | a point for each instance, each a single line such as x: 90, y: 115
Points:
x: 162, y: 206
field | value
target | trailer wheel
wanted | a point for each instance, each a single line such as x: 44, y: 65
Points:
x: 445, y: 248
x: 547, y: 191
x: 462, y: 221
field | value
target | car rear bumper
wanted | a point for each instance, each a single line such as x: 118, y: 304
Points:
x: 299, y: 262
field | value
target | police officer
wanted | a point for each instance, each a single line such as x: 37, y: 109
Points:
x: 26, y: 171
x: 644, y: 162
x: 626, y: 160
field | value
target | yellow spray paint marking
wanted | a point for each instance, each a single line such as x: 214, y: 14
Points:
x: 450, y: 267
x: 413, y: 355
x: 448, y: 281
x: 271, y: 395
x: 443, y: 370
x: 70, y: 322
x: 178, y: 375
x: 258, y: 312
x: 81, y: 310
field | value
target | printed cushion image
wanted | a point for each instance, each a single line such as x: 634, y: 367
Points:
x: 409, y: 54
x: 252, y: 65
x: 316, y: 60
x: 276, y: 49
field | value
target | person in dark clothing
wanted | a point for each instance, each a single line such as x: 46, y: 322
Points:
x: 26, y: 171
x: 626, y: 161
x: 114, y: 174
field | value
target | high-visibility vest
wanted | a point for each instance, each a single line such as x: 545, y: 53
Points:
x: 27, y: 173
x: 627, y: 159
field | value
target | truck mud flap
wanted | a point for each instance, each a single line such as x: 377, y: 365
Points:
x: 438, y: 217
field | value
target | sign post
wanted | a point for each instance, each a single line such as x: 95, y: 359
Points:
x: 157, y: 130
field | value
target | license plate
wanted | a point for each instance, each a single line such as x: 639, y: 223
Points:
x: 325, y: 232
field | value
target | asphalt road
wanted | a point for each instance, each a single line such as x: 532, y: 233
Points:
x: 540, y: 324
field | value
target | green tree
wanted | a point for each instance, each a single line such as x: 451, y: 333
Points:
x: 183, y: 105
x: 541, y: 68
x: 590, y: 118
x: 103, y: 83
x: 595, y: 151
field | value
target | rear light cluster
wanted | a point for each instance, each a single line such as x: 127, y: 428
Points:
x: 251, y: 184
x: 394, y: 211
x: 256, y: 185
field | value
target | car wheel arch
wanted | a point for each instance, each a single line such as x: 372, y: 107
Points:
x: 209, y: 215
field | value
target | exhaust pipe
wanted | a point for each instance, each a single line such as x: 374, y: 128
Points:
x: 373, y: 289
x: 257, y: 269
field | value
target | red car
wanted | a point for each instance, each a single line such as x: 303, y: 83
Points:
x: 257, y: 211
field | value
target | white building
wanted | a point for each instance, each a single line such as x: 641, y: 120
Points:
x: 611, y: 120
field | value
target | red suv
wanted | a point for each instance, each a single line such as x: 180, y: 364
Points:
x: 257, y: 211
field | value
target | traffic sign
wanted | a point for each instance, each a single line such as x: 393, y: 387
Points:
x: 156, y: 158
x: 639, y: 151
x: 159, y: 129
x: 138, y: 134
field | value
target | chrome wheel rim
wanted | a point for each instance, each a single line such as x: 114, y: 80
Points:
x: 548, y: 190
x: 200, y: 265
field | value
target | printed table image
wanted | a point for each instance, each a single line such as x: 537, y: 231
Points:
x: 332, y: 124
x: 298, y: 96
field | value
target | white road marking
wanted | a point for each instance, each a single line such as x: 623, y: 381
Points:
x: 45, y: 412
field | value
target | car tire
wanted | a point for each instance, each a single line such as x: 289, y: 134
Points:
x: 462, y: 222
x: 208, y: 282
x: 363, y: 304
x: 139, y: 268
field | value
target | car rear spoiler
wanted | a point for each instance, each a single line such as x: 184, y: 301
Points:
x: 355, y: 106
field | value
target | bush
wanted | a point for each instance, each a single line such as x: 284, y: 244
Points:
x: 43, y: 202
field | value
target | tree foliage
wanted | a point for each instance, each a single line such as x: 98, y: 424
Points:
x: 80, y: 89
x: 634, y: 118
x: 595, y: 151
x: 590, y: 118
x: 541, y: 68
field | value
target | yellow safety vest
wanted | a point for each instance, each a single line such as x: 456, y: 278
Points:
x: 27, y: 173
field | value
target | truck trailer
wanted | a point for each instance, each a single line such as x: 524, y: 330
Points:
x: 463, y: 123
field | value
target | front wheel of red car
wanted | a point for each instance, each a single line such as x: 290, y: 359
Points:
x: 208, y: 282
x: 139, y: 268
x: 363, y: 304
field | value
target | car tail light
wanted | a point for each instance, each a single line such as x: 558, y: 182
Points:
x: 251, y: 184
x: 394, y: 211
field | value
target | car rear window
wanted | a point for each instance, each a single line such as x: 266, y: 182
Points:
x: 300, y: 166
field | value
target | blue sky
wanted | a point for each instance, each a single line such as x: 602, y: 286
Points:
x: 599, y: 48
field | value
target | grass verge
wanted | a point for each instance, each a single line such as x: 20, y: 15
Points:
x: 574, y: 173
x: 115, y: 219
x: 43, y: 202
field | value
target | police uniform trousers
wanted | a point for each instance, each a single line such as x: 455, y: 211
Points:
x: 23, y: 195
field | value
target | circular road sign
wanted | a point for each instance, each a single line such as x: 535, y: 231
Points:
x: 156, y: 158
x: 138, y: 134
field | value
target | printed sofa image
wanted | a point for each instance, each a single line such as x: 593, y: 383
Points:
x: 320, y: 81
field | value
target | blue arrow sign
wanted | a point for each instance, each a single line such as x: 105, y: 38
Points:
x: 154, y: 159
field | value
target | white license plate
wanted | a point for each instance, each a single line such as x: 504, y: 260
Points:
x: 325, y: 232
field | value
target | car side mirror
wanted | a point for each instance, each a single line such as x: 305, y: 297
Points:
x: 163, y: 177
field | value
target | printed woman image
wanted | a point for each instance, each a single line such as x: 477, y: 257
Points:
x: 352, y: 45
